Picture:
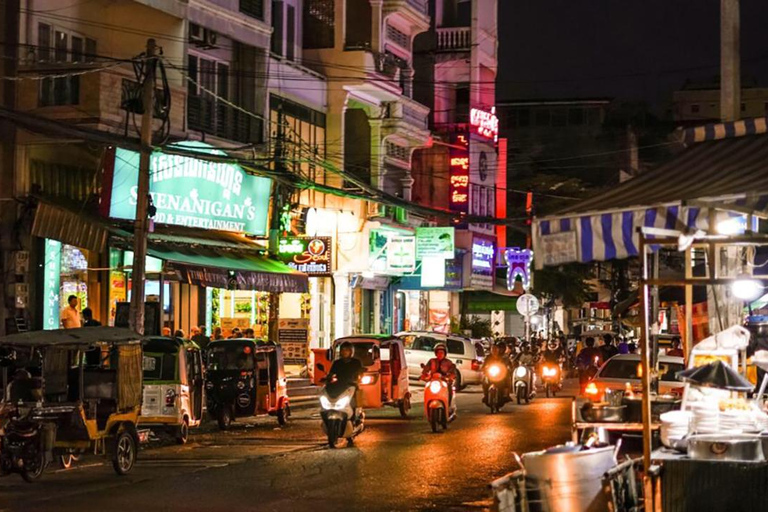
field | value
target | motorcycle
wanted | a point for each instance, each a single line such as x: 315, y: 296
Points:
x: 495, y: 382
x: 26, y: 447
x: 338, y: 415
x: 552, y: 376
x: 437, y: 408
x: 523, y: 384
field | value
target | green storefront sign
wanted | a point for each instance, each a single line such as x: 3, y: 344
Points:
x: 435, y: 243
x: 52, y: 284
x: 191, y: 192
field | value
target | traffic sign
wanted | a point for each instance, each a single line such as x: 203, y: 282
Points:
x: 527, y: 304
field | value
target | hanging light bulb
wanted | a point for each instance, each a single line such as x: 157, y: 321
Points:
x: 747, y: 288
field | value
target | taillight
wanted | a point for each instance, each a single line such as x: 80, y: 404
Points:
x: 170, y: 398
x: 475, y: 365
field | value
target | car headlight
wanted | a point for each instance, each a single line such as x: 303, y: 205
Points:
x: 521, y: 371
x: 434, y: 386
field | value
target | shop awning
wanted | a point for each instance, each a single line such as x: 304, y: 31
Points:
x: 70, y: 227
x: 484, y: 302
x: 724, y: 170
x: 231, y: 270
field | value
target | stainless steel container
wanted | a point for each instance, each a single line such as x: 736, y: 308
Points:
x: 741, y: 448
x: 604, y: 413
x: 570, y: 481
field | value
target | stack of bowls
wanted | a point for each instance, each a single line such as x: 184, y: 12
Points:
x: 674, y: 427
x: 705, y: 418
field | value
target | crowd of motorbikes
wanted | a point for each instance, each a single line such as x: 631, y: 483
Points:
x: 515, y: 370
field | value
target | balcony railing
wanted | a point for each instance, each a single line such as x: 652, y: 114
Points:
x: 224, y: 121
x: 419, y: 5
x: 454, y: 38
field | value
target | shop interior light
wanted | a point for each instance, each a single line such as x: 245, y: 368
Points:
x: 731, y: 226
x: 747, y: 288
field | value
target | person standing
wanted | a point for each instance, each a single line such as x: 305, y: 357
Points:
x: 88, y: 320
x: 200, y: 338
x: 676, y: 351
x: 70, y: 316
x: 608, y: 349
x: 217, y: 334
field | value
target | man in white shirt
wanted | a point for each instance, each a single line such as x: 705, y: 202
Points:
x: 70, y: 316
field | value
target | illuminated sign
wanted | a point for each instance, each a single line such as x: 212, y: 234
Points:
x: 401, y: 253
x: 307, y: 254
x: 459, y: 180
x: 51, y: 284
x: 486, y: 123
x: 434, y: 243
x: 191, y: 192
x: 483, y: 255
x: 433, y: 272
x: 519, y: 265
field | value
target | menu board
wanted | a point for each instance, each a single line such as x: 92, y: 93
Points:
x: 293, y: 336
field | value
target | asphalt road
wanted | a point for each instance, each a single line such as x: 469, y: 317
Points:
x: 396, y: 464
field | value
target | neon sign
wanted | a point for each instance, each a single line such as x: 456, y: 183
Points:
x: 311, y: 255
x: 486, y: 123
x: 519, y: 265
x: 459, y: 180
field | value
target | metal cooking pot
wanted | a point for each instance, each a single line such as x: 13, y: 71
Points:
x: 740, y: 448
x: 603, y: 414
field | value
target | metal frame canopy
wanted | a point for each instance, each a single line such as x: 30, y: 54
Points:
x: 82, y: 336
x: 712, y: 246
x: 721, y: 175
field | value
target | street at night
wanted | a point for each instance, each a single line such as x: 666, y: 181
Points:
x: 396, y: 464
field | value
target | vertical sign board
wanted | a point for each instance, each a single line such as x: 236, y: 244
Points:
x: 483, y: 256
x: 52, y: 284
x: 293, y: 336
x: 401, y: 254
x: 459, y: 176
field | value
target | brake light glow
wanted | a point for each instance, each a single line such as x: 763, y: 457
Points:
x: 434, y: 386
x: 591, y: 389
x: 475, y: 365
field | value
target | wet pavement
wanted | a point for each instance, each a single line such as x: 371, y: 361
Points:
x: 396, y: 464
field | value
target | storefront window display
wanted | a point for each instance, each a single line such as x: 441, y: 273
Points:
x: 66, y: 274
x: 120, y: 263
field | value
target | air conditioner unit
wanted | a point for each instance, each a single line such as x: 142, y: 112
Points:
x: 196, y: 34
x: 210, y: 38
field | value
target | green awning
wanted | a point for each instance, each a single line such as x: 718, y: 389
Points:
x: 232, y: 270
x: 485, y: 302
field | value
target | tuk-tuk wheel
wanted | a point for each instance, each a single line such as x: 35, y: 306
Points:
x: 30, y: 474
x: 124, y: 453
x: 405, y: 406
x: 224, y: 418
x: 283, y: 414
x: 182, y: 432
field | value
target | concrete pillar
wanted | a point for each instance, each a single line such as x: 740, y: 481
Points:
x: 730, y: 61
x: 377, y: 26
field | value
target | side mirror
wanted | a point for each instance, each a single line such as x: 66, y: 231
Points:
x: 321, y: 367
x: 422, y: 365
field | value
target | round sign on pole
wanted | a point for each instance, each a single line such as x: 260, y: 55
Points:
x: 527, y: 304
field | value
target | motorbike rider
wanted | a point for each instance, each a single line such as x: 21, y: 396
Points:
x: 553, y: 353
x: 442, y: 365
x: 588, y: 360
x: 346, y: 371
x: 498, y: 356
x: 526, y: 356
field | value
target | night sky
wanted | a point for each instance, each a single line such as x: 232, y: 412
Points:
x: 623, y: 49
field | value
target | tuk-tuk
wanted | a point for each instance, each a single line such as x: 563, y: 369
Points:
x: 70, y: 392
x: 173, y: 386
x: 246, y: 378
x: 385, y: 381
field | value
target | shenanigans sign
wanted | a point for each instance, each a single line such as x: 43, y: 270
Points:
x: 190, y: 192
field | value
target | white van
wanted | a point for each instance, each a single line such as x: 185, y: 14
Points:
x: 466, y: 354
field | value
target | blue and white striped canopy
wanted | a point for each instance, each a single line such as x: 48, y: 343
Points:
x: 724, y: 173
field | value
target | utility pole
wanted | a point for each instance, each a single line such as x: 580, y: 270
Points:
x: 274, y: 225
x: 141, y: 225
x: 730, y: 61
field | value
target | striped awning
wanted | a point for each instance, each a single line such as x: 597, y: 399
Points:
x: 722, y: 175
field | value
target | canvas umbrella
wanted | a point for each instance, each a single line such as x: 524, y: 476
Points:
x: 716, y: 375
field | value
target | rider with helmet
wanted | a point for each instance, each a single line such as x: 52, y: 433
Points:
x: 554, y: 352
x: 442, y: 365
x: 498, y: 355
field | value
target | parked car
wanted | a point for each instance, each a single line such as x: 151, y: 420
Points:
x: 466, y: 354
x: 612, y: 400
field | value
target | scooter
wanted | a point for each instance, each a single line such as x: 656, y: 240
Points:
x: 495, y: 377
x: 552, y: 376
x: 338, y: 415
x: 438, y: 410
x: 523, y: 384
x: 26, y: 447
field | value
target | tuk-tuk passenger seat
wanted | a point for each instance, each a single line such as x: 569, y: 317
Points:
x: 100, y: 391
